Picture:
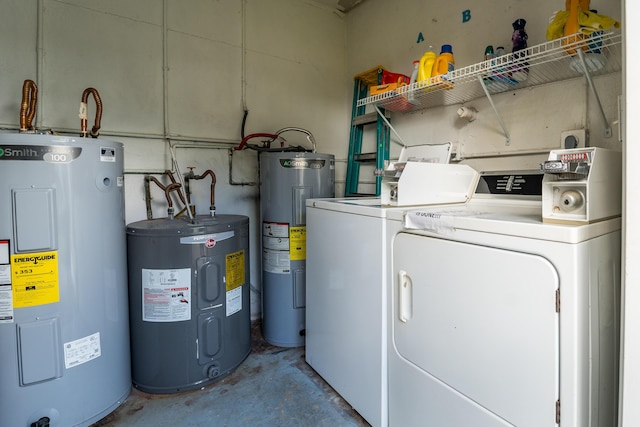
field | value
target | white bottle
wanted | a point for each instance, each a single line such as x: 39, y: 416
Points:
x: 414, y: 78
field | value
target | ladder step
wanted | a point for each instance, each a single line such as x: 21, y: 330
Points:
x: 368, y: 118
x: 365, y: 157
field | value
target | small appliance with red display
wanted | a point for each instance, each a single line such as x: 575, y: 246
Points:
x: 581, y: 185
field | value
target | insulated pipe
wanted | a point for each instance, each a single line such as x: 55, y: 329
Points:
x: 254, y: 135
x: 83, y: 113
x: 147, y: 196
x: 309, y: 135
x: 28, y: 105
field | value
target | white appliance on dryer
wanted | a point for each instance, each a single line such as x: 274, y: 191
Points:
x: 498, y: 319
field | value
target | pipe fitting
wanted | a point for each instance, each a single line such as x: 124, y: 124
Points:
x: 468, y: 113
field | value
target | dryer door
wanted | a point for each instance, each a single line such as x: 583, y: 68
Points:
x: 475, y: 336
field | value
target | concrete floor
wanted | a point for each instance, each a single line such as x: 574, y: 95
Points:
x: 274, y: 386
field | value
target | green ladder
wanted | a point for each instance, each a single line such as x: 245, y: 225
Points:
x: 360, y: 119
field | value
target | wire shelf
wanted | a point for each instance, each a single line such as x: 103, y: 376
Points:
x: 549, y: 62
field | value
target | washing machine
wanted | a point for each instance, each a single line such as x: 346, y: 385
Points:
x: 347, y: 267
x: 348, y: 260
x: 498, y: 319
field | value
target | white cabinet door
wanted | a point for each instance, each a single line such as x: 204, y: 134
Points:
x: 475, y: 336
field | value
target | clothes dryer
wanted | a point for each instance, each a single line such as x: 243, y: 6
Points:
x: 497, y: 319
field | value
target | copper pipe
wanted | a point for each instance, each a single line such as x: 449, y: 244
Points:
x: 212, y: 207
x: 173, y: 181
x: 162, y: 187
x: 169, y: 189
x: 167, y: 192
x: 83, y: 113
x: 28, y: 105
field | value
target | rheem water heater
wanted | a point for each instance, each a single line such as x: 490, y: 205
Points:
x: 189, y: 300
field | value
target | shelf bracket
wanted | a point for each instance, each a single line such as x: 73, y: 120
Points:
x: 495, y: 110
x: 585, y: 69
x: 386, y: 122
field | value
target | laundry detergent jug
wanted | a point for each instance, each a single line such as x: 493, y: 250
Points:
x: 444, y: 64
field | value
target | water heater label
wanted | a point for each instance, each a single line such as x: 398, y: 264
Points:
x: 5, y: 267
x: 6, y: 296
x: 234, y: 265
x: 276, y: 261
x: 35, y: 279
x: 82, y: 350
x: 45, y: 153
x: 234, y: 279
x: 6, y: 304
x: 275, y: 247
x: 107, y: 154
x: 301, y: 163
x: 166, y: 295
x: 207, y: 239
x: 298, y: 243
x: 275, y: 229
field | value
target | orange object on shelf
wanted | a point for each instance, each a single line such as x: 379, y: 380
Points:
x: 377, y: 89
x: 378, y: 76
x: 572, y: 26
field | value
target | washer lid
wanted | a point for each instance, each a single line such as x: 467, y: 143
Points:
x: 518, y: 218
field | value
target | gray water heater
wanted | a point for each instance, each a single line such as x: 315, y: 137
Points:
x: 287, y: 180
x: 189, y: 300
x: 64, y: 331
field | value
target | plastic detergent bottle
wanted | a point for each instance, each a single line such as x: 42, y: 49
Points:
x: 520, y: 72
x: 444, y: 63
x: 414, y: 78
x: 414, y: 72
x: 426, y: 65
x: 488, y: 53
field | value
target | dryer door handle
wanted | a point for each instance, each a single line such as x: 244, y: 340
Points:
x: 405, y: 296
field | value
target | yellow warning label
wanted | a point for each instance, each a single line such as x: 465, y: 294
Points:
x: 235, y: 269
x: 298, y: 243
x: 35, y: 279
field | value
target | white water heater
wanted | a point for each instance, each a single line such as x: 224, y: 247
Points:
x: 64, y: 329
x: 287, y: 180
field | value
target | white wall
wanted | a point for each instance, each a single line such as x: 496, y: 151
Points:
x: 184, y: 71
x: 384, y: 33
x: 630, y: 379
